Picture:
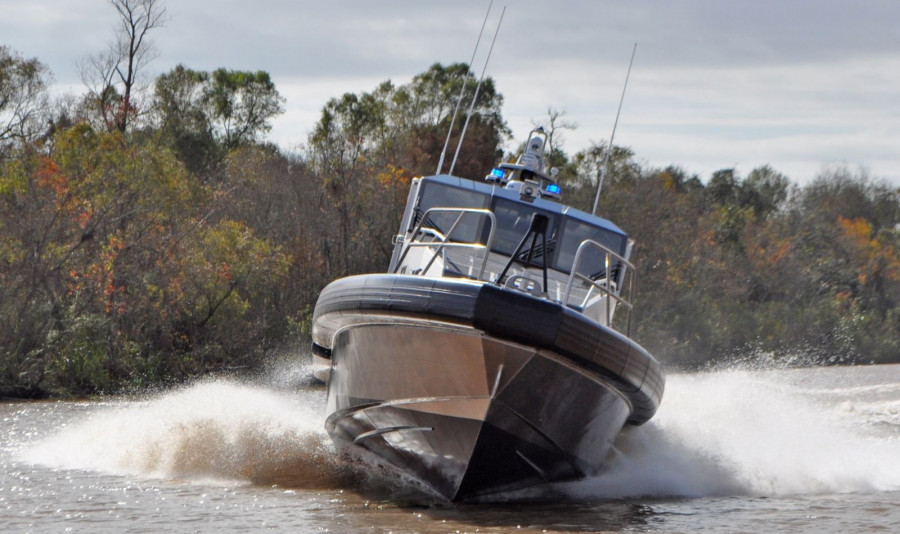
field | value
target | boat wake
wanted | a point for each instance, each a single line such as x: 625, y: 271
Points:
x: 759, y: 433
x: 718, y: 434
x: 220, y: 431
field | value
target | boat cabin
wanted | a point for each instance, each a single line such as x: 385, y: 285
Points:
x: 455, y: 227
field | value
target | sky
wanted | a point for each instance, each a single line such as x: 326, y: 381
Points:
x: 800, y: 85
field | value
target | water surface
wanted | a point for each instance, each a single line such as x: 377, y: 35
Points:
x: 802, y: 450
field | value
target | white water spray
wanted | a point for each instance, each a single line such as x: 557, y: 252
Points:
x: 724, y: 433
x: 753, y: 433
x: 216, y: 430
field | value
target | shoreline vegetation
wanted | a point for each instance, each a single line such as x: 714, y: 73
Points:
x: 151, y: 238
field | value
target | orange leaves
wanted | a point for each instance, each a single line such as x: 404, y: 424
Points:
x: 872, y: 256
x: 857, y: 229
x: 75, y: 284
x: 393, y: 176
x: 83, y: 218
x: 766, y: 249
x: 856, y: 234
x: 49, y: 176
x: 100, y: 278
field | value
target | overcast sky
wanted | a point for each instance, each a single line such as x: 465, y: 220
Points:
x: 797, y: 84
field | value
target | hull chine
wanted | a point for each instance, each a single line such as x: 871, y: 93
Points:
x: 473, y: 420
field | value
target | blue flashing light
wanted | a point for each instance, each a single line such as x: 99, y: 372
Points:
x: 553, y: 189
x: 497, y: 173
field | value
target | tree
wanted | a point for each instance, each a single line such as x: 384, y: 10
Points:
x: 366, y: 147
x: 421, y: 112
x: 431, y: 97
x: 589, y: 165
x: 838, y: 191
x: 118, y: 268
x: 23, y: 86
x: 204, y: 115
x: 240, y: 104
x: 723, y: 187
x: 766, y: 190
x: 555, y: 126
x: 182, y: 119
x: 112, y: 76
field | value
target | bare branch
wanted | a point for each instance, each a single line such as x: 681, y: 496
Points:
x: 112, y: 78
x: 556, y: 125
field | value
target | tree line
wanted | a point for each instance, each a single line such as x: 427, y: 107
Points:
x: 150, y: 237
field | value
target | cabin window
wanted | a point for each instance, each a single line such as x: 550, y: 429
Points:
x: 564, y: 233
x: 574, y: 232
x: 470, y: 228
x: 513, y: 222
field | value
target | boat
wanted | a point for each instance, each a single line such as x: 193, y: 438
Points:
x: 495, y: 353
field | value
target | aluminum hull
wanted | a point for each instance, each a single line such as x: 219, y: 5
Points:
x: 431, y: 377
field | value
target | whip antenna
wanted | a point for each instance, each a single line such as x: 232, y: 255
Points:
x: 477, y: 88
x: 609, y: 149
x: 462, y: 90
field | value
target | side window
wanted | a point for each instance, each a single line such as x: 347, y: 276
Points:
x: 593, y: 264
x: 435, y: 195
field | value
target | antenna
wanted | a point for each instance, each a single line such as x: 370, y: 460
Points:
x: 609, y: 149
x: 462, y: 90
x: 477, y: 89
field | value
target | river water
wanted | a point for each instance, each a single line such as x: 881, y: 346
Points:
x: 801, y: 450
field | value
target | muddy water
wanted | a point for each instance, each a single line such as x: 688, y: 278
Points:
x: 808, y: 450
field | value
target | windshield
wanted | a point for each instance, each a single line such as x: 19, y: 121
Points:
x: 564, y: 232
x: 513, y: 222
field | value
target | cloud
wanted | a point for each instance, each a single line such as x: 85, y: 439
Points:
x: 795, y: 84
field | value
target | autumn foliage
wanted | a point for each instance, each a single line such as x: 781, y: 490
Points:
x: 188, y: 245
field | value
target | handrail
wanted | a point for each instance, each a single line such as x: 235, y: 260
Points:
x: 604, y: 285
x: 443, y: 238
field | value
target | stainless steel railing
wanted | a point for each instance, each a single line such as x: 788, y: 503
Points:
x: 443, y: 240
x: 605, y: 286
